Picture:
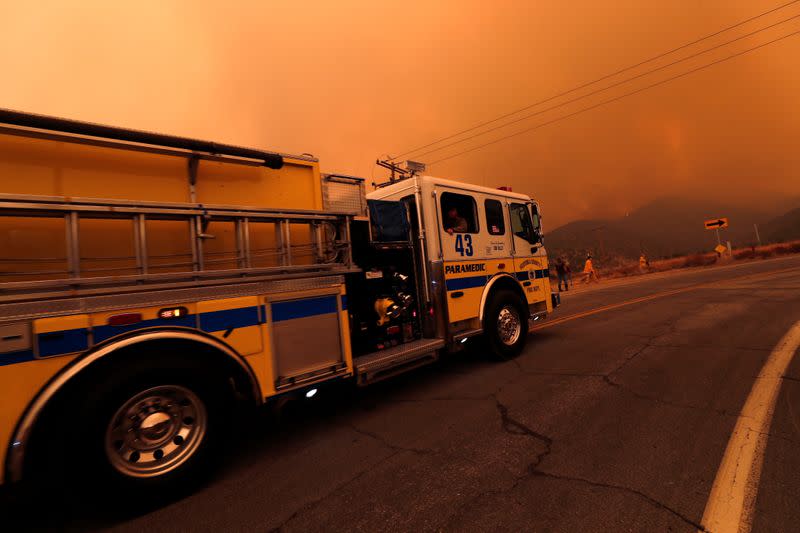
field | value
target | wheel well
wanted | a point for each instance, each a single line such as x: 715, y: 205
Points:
x: 220, y: 360
x: 499, y: 283
x: 182, y: 350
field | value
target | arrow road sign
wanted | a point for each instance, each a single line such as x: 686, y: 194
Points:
x: 717, y: 223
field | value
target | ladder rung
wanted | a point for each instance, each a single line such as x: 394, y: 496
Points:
x: 198, y: 219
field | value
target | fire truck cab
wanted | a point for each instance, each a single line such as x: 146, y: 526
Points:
x: 482, y: 257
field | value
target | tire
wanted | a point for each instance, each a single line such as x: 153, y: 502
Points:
x: 505, y: 325
x: 151, y: 427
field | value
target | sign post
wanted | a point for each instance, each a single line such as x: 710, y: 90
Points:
x: 716, y: 224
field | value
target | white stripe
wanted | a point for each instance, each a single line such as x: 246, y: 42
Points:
x: 732, y: 499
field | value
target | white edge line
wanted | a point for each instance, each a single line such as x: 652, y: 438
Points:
x: 731, y: 503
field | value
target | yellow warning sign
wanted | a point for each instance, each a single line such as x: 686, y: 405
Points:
x: 717, y: 223
x: 720, y: 249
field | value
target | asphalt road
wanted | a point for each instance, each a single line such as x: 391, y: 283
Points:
x: 615, y: 418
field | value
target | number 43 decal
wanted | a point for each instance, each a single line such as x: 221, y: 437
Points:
x: 464, y: 247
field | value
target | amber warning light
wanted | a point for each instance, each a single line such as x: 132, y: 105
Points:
x: 173, y: 312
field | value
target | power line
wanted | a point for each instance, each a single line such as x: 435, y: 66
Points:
x: 607, y: 87
x: 617, y: 98
x: 583, y: 86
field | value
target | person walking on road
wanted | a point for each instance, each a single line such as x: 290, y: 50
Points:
x: 561, y: 272
x: 589, y: 273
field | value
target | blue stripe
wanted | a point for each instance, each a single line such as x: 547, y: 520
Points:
x: 229, y: 319
x: 303, y: 308
x: 62, y: 342
x: 457, y: 284
x: 11, y: 358
x: 344, y: 302
x: 102, y: 333
x: 537, y: 274
x: 77, y: 340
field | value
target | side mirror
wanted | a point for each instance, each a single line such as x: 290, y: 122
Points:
x: 537, y: 224
x: 536, y: 236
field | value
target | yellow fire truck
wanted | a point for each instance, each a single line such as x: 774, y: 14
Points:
x: 151, y: 285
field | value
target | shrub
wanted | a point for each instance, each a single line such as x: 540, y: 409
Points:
x: 699, y: 260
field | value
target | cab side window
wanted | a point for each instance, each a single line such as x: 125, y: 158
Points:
x: 521, y: 223
x: 459, y: 213
x: 495, y: 222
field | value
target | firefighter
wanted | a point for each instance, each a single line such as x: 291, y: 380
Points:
x: 455, y: 223
x: 561, y: 272
x: 589, y: 273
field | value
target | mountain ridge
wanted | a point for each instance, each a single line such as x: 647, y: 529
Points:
x: 670, y: 226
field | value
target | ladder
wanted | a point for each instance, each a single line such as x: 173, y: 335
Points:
x: 329, y: 251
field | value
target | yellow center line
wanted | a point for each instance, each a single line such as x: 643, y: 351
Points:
x: 654, y: 296
x: 731, y: 503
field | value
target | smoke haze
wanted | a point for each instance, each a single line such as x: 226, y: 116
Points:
x: 350, y: 81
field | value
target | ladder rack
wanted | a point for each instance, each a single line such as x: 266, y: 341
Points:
x: 328, y: 251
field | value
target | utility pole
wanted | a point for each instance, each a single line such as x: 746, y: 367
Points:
x: 758, y: 237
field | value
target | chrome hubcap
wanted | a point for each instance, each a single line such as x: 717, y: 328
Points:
x: 509, y: 326
x: 155, y: 431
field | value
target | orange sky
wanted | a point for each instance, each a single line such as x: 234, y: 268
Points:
x: 348, y: 81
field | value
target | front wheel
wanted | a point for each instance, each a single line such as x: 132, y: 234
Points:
x: 505, y: 325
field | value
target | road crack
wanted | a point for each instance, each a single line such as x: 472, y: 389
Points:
x: 722, y: 412
x: 622, y: 488
x: 395, y: 449
x: 650, y: 343
x: 313, y: 503
x: 513, y: 426
x: 390, y: 445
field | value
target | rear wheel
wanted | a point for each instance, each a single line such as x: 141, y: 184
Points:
x: 505, y: 324
x: 156, y: 431
x: 152, y: 428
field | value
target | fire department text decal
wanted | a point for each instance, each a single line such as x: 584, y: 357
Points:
x: 463, y: 269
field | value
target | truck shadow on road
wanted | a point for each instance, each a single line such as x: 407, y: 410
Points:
x: 265, y: 433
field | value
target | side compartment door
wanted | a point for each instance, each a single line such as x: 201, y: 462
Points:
x: 529, y: 264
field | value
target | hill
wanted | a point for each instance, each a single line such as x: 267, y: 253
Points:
x: 668, y: 227
x: 783, y: 228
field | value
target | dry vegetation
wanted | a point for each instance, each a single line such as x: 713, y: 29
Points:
x: 631, y: 268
